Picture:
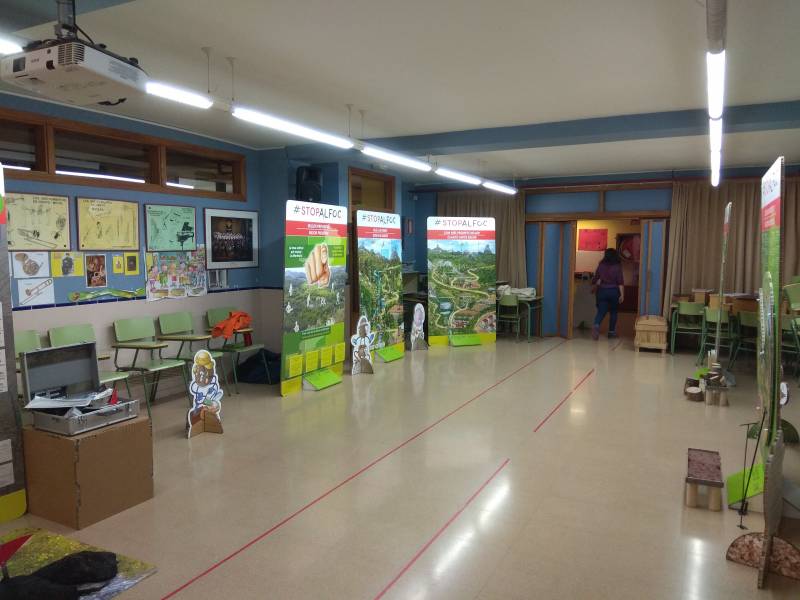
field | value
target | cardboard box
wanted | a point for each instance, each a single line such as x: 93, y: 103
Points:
x: 83, y: 479
x: 700, y: 295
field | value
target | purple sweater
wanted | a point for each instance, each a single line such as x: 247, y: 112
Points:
x: 608, y: 275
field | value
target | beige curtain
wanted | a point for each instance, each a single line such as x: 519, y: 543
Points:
x: 509, y: 216
x: 695, y: 236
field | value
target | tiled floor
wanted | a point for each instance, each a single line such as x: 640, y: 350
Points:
x: 398, y: 484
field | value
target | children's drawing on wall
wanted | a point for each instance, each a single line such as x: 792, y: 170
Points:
x: 107, y: 224
x: 66, y: 264
x: 30, y: 264
x: 206, y: 412
x: 96, y: 274
x: 35, y: 292
x: 418, y: 329
x: 131, y: 263
x: 176, y: 274
x: 362, y: 348
x: 117, y: 264
x: 38, y: 222
x: 169, y: 228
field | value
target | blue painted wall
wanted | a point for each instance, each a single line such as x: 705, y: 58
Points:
x: 532, y: 241
x: 551, y: 278
x: 627, y: 200
x: 562, y: 202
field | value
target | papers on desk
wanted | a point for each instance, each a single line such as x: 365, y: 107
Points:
x: 95, y: 399
x: 527, y: 293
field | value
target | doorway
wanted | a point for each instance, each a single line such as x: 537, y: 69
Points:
x: 594, y: 236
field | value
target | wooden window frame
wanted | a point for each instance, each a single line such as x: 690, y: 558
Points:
x: 45, y: 168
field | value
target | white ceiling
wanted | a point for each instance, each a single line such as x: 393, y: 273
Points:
x: 418, y: 66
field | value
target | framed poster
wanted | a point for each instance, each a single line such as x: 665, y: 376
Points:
x: 38, y: 222
x: 169, y: 228
x: 108, y: 224
x: 231, y: 238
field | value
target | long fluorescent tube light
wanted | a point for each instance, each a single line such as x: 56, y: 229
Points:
x: 499, y: 187
x: 393, y: 157
x: 9, y: 47
x: 715, y: 134
x: 715, y: 74
x: 176, y: 94
x: 16, y: 168
x: 185, y: 186
x: 265, y: 120
x: 458, y: 176
x: 100, y: 176
x: 716, y: 161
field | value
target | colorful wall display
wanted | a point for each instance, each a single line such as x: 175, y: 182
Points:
x: 108, y: 224
x: 30, y: 264
x: 592, y: 239
x: 380, y: 280
x: 231, y: 238
x: 96, y: 273
x: 462, y: 275
x: 36, y: 292
x: 313, y: 295
x: 172, y: 275
x: 131, y: 263
x: 169, y: 227
x: 37, y: 222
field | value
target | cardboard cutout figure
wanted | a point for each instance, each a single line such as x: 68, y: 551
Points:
x: 418, y: 329
x: 206, y: 412
x: 362, y: 348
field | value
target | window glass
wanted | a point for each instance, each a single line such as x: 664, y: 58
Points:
x: 17, y: 145
x: 88, y: 155
x: 191, y: 171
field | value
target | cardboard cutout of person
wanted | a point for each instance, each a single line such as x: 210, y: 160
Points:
x: 206, y: 412
x: 418, y: 329
x: 362, y: 348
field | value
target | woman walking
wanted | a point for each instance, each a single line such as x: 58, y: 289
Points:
x: 610, y: 292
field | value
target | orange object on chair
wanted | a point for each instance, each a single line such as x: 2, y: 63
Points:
x: 226, y: 328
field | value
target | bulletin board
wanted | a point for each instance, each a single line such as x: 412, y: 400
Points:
x: 108, y: 224
x: 592, y: 239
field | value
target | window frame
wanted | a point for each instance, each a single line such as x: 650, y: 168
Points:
x: 45, y: 165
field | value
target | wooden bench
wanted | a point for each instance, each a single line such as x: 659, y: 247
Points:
x: 705, y: 468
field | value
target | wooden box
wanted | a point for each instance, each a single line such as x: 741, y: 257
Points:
x: 700, y: 295
x: 713, y: 302
x: 745, y: 303
x: 651, y: 332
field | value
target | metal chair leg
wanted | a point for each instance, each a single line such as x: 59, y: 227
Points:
x: 266, y: 366
x: 234, y: 364
x: 146, y: 394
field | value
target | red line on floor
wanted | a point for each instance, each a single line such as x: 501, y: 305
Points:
x: 386, y: 454
x: 441, y: 530
x: 564, y: 399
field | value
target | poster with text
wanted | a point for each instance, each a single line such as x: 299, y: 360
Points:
x: 380, y: 280
x: 313, y: 292
x: 462, y: 275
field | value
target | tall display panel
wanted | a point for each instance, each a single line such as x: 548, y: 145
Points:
x: 13, y: 502
x: 462, y: 276
x: 380, y: 280
x: 315, y: 274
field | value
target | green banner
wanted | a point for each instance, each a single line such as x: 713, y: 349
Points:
x: 462, y: 275
x: 380, y: 280
x: 313, y: 293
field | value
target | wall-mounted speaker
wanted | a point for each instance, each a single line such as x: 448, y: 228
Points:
x: 308, y: 184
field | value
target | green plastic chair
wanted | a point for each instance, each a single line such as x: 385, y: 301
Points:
x: 79, y: 334
x: 687, y: 319
x: 26, y: 340
x: 233, y: 345
x: 790, y: 340
x: 508, y: 311
x: 179, y: 327
x: 791, y: 293
x: 139, y: 334
x: 747, y: 329
x: 708, y: 337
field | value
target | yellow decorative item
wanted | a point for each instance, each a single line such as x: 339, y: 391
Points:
x: 108, y: 224
x: 117, y: 264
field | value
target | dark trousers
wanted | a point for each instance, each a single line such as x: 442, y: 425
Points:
x: 607, y: 302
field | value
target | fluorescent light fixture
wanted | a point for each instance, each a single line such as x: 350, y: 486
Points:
x: 715, y: 74
x: 265, y: 120
x: 100, y: 176
x: 176, y: 94
x: 716, y: 160
x: 499, y: 187
x: 9, y: 47
x: 715, y: 134
x: 16, y: 168
x: 185, y: 186
x: 458, y: 176
x: 398, y: 159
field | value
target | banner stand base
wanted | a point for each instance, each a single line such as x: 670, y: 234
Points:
x: 321, y: 379
x: 391, y: 353
x: 783, y: 558
x: 467, y: 339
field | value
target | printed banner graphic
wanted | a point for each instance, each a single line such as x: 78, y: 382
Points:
x: 313, y: 293
x: 380, y: 280
x: 461, y: 280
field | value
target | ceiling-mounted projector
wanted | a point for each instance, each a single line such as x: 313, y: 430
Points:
x: 73, y: 71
